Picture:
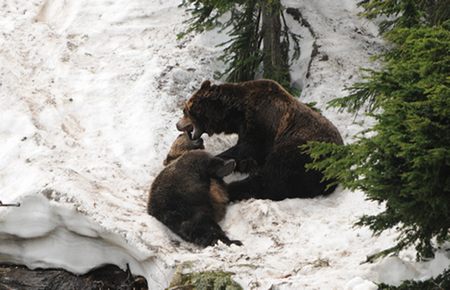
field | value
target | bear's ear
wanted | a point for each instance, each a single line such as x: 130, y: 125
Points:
x: 205, y: 85
x: 220, y: 168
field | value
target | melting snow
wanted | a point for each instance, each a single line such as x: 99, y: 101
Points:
x: 89, y: 95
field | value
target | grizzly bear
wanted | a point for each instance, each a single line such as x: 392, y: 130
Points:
x: 271, y: 126
x: 189, y: 196
x: 181, y: 145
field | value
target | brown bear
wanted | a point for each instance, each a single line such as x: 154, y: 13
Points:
x: 271, y: 125
x: 189, y: 196
x: 181, y: 145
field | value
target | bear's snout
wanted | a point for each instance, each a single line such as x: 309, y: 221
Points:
x: 194, y: 132
x: 185, y: 124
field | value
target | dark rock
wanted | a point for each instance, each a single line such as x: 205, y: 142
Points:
x: 105, y: 277
x: 324, y: 57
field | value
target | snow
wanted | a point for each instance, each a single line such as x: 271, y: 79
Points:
x: 89, y: 95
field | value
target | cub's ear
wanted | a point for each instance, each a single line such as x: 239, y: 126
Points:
x: 205, y: 85
x: 220, y: 168
x: 168, y: 160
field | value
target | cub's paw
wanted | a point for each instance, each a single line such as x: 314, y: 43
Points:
x: 229, y: 242
x: 236, y: 242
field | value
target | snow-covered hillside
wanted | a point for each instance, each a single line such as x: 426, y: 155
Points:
x: 90, y: 91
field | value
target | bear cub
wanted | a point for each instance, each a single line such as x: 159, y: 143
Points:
x: 189, y: 196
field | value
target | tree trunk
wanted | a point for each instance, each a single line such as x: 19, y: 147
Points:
x: 274, y: 59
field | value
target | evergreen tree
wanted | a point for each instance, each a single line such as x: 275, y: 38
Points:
x: 407, y: 13
x: 404, y: 160
x: 258, y: 35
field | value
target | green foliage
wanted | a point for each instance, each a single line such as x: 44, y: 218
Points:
x: 313, y: 105
x: 209, y: 280
x: 404, y: 160
x: 241, y: 52
x: 439, y: 283
x: 418, y: 58
x: 244, y: 53
x: 205, y: 14
x: 407, y: 13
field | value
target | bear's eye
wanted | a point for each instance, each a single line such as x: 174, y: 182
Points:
x: 185, y: 112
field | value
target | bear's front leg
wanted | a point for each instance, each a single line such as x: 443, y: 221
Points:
x: 250, y: 187
x: 244, y: 155
x: 247, y: 165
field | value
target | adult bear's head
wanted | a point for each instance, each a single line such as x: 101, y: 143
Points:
x: 213, y: 109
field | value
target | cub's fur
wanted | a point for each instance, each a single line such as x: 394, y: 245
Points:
x: 189, y: 196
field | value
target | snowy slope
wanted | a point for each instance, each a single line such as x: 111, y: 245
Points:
x: 89, y: 95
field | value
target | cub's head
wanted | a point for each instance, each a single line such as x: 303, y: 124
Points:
x: 212, y: 109
x: 181, y: 145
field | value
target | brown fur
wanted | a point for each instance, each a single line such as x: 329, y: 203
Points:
x: 219, y: 199
x: 271, y: 125
x: 189, y: 195
x: 182, y: 145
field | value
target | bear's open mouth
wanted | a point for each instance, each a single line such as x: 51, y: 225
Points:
x: 196, y: 133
